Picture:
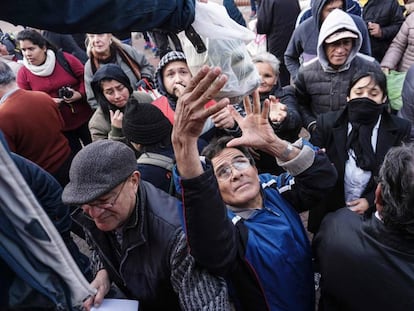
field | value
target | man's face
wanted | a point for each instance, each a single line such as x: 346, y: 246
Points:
x: 238, y: 180
x: 111, y: 210
x: 176, y: 76
x: 337, y: 52
x: 328, y: 8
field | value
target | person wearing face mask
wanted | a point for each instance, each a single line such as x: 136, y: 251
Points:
x: 112, y: 90
x: 356, y: 140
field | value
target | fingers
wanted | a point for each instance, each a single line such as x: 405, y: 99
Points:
x: 265, y: 109
x: 223, y: 119
x: 247, y: 105
x: 256, y: 102
x: 206, y: 83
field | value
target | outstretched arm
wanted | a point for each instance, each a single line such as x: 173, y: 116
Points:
x: 190, y: 116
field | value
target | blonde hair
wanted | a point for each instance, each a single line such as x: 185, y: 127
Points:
x: 114, y: 42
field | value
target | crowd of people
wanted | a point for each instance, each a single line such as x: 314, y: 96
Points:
x: 298, y: 195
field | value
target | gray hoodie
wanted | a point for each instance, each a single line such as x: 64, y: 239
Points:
x: 321, y: 88
x: 303, y: 43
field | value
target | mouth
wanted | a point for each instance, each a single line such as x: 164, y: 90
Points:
x: 241, y: 187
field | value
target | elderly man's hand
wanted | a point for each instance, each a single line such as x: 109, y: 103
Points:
x: 102, y: 285
x: 257, y: 132
x: 191, y: 112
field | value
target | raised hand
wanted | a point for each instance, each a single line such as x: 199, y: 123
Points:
x: 278, y: 111
x: 191, y: 112
x: 257, y: 132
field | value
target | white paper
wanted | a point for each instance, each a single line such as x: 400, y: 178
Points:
x: 117, y: 304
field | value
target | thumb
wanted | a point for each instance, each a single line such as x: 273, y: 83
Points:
x: 235, y: 142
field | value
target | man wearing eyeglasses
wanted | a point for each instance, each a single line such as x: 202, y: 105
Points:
x: 239, y: 224
x: 135, y: 234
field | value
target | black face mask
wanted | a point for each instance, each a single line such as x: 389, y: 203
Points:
x: 364, y: 110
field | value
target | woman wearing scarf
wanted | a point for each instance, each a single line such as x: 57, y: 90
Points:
x: 356, y: 140
x: 112, y: 90
x: 60, y: 75
x: 104, y: 49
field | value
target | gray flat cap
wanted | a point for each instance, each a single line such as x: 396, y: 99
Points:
x: 97, y: 169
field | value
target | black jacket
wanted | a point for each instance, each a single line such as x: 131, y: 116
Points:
x: 364, y: 264
x: 389, y: 15
x: 331, y: 133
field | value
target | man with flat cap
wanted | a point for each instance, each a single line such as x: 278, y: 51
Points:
x: 135, y: 234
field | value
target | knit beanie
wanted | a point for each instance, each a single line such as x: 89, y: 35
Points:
x: 97, y: 169
x: 145, y: 124
x: 165, y: 60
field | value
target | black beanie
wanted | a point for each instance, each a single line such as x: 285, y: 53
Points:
x: 145, y: 124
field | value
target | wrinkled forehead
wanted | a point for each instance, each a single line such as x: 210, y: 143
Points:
x: 227, y: 155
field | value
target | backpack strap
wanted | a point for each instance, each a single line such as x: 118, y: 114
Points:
x: 157, y: 160
x: 161, y: 161
x: 60, y: 57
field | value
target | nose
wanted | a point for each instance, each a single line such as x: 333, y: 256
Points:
x: 95, y: 211
x: 235, y: 173
x: 117, y: 94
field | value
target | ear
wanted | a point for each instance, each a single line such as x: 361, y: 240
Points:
x: 348, y: 99
x: 378, y: 198
x: 384, y: 99
x: 135, y: 177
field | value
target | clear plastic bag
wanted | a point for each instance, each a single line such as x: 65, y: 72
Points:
x: 225, y: 41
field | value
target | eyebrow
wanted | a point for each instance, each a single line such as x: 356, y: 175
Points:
x: 232, y: 160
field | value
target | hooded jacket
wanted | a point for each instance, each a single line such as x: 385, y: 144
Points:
x: 145, y: 68
x: 100, y: 122
x: 302, y: 46
x: 321, y: 88
x: 161, y: 103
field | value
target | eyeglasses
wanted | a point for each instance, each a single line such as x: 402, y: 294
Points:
x: 106, y: 205
x: 226, y: 171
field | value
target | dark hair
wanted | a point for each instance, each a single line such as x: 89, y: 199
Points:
x: 378, y: 77
x: 35, y: 37
x: 396, y: 177
x: 216, y: 146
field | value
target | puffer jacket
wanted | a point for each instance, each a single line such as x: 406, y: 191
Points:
x: 319, y: 87
x: 400, y: 54
x: 303, y: 44
x: 389, y: 15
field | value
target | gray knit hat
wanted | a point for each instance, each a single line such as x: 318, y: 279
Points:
x: 97, y: 169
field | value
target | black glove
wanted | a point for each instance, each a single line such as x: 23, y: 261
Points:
x: 146, y: 84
